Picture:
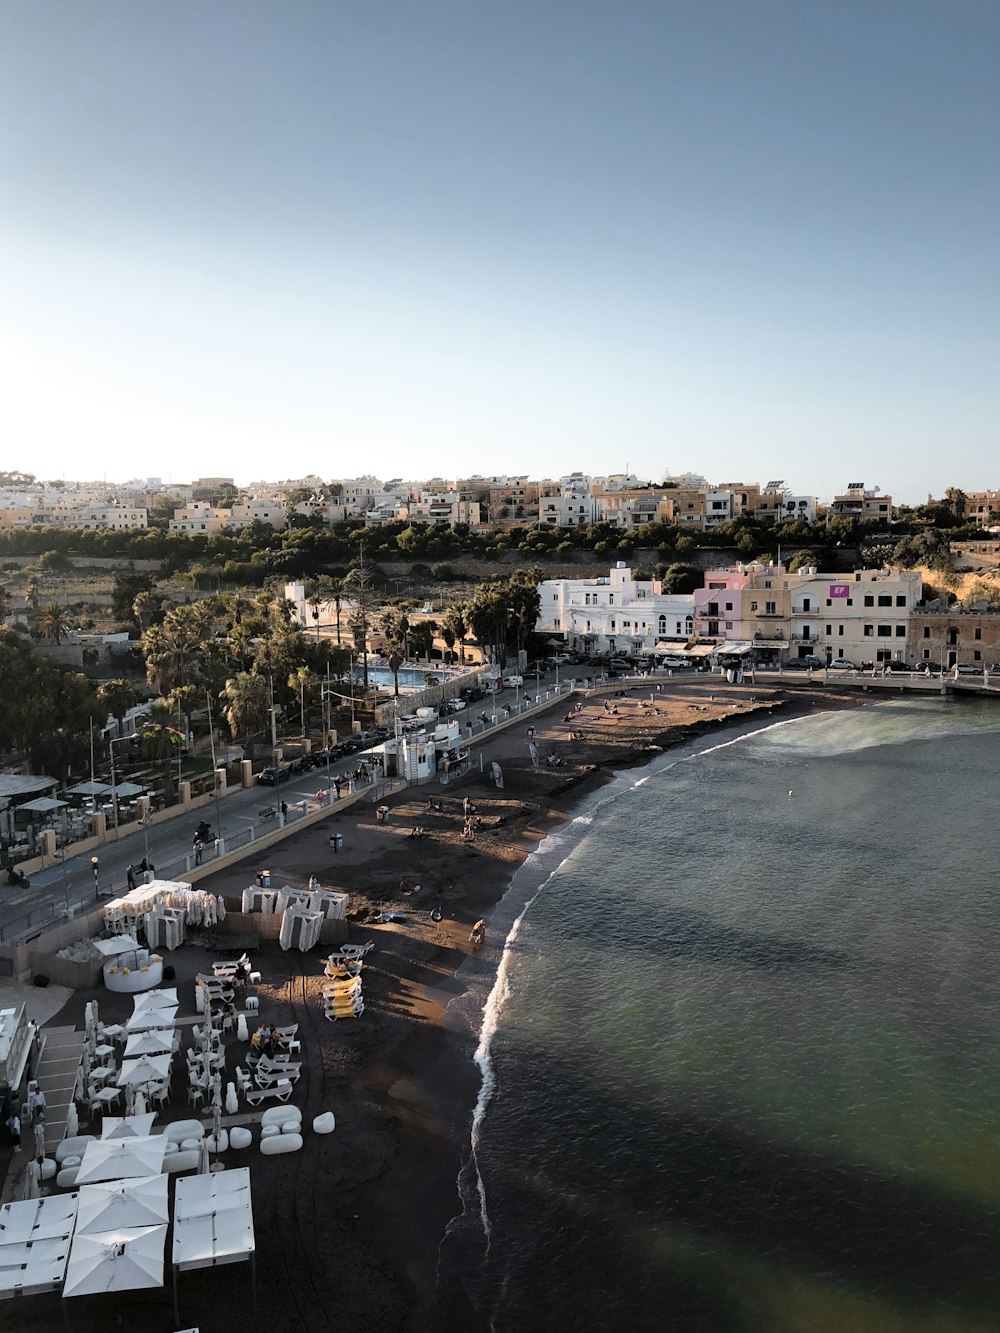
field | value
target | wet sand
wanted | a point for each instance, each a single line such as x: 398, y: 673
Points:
x: 347, y: 1230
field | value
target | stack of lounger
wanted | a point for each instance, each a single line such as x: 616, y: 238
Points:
x: 342, y: 996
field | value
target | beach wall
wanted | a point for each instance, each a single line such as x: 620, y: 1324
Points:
x: 16, y: 959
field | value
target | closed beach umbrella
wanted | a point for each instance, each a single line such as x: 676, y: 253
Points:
x: 242, y: 1031
x: 203, y: 1162
x: 40, y: 1139
x: 32, y: 1176
x: 232, y: 1101
x: 72, y: 1121
x: 139, y: 1103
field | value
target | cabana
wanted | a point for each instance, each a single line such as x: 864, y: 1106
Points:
x: 116, y: 1261
x: 35, y: 1244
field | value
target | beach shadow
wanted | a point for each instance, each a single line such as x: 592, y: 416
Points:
x: 704, y: 1174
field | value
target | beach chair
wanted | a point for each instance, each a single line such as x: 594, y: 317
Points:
x: 243, y: 1082
x: 331, y: 1015
x: 281, y: 1092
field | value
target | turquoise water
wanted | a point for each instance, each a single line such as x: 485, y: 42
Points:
x: 740, y: 1062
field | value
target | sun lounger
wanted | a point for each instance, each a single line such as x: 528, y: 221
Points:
x: 270, y: 1078
x: 331, y: 1015
x: 279, y: 1093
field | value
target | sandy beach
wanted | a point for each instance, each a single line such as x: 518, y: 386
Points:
x: 347, y: 1230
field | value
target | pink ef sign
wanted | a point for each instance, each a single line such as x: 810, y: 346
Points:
x: 840, y: 590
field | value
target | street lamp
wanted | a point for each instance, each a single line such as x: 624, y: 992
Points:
x: 95, y: 863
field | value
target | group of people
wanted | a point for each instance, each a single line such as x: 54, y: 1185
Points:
x: 145, y: 868
x: 34, y: 1110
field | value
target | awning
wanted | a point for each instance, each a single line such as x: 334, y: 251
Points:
x: 736, y: 649
x: 44, y: 805
x: 129, y: 789
x: 89, y: 789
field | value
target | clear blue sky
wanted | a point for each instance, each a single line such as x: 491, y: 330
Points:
x: 751, y: 238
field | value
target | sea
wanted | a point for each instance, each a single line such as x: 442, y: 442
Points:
x: 738, y: 1037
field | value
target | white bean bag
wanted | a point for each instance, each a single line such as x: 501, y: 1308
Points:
x: 74, y: 1147
x: 190, y: 1145
x: 280, y: 1115
x: 181, y: 1161
x: 49, y: 1168
x: 169, y: 1147
x: 325, y: 1123
x: 71, y: 1161
x: 240, y: 1137
x: 66, y: 1178
x: 220, y: 1145
x: 270, y: 1131
x: 184, y: 1129
x: 280, y: 1143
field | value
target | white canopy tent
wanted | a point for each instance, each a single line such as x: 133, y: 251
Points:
x: 89, y: 789
x: 213, y: 1220
x: 34, y: 1244
x: 120, y: 1159
x: 116, y: 1261
x: 155, y: 1041
x: 116, y: 945
x: 43, y: 805
x: 127, y: 1127
x: 117, y: 1205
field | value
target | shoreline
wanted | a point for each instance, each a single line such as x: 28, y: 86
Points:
x: 430, y: 1089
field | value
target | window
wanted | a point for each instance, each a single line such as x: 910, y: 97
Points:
x: 869, y: 599
x: 900, y: 631
x: 829, y: 601
x: 850, y: 601
x: 753, y: 606
x: 767, y: 583
x: 977, y: 655
x: 729, y: 624
x: 927, y: 631
x: 884, y: 599
x: 840, y: 631
x: 927, y: 653
x: 612, y: 626
x: 769, y: 608
x: 729, y: 606
x: 806, y: 604
x: 900, y: 598
x: 611, y: 599
x: 829, y: 629
x: 978, y: 633
x: 885, y: 631
x: 868, y: 631
x: 713, y: 608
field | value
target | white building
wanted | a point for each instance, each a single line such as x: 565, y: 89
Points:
x: 258, y: 509
x: 199, y: 517
x: 615, y: 614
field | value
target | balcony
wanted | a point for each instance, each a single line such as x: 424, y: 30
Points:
x: 800, y: 636
x: 775, y: 636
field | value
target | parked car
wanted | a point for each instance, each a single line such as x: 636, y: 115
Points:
x: 842, y: 664
x: 455, y: 705
x: 800, y: 664
x: 562, y: 659
x: 474, y: 695
x: 511, y: 682
x: 969, y: 669
x: 270, y: 777
x: 675, y: 663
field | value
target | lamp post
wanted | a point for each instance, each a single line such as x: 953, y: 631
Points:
x: 95, y: 863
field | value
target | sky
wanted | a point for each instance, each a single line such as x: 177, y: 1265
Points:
x: 754, y: 240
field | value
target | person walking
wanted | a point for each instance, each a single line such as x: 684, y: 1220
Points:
x: 14, y: 1128
x: 130, y: 877
x: 199, y: 848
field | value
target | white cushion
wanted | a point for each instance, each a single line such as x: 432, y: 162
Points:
x: 240, y: 1137
x: 280, y: 1115
x: 49, y: 1168
x: 325, y: 1123
x: 181, y: 1161
x: 70, y: 1161
x: 169, y: 1147
x: 74, y: 1147
x: 190, y: 1145
x: 66, y: 1178
x: 280, y: 1143
x: 270, y: 1131
x: 223, y: 1142
x: 184, y: 1129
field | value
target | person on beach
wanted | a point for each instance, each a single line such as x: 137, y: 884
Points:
x: 477, y: 936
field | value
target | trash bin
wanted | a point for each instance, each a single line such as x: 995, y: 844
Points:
x: 265, y: 879
x: 336, y: 841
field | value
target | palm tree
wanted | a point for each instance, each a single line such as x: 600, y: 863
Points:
x: 32, y: 592
x: 54, y: 623
x: 455, y: 624
x: 117, y: 696
x: 394, y: 663
x: 248, y: 702
x: 5, y: 604
x: 332, y: 590
x: 422, y: 637
x: 301, y: 679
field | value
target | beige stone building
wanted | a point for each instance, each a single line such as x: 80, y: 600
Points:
x: 950, y: 636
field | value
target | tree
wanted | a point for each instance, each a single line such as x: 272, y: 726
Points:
x: 302, y: 679
x: 54, y: 562
x: 395, y: 661
x: 54, y: 623
x: 455, y: 625
x: 503, y: 613
x: 248, y: 703
x: 359, y: 584
x: 931, y: 548
x: 117, y: 696
x: 5, y: 604
x: 682, y: 579
x: 125, y: 589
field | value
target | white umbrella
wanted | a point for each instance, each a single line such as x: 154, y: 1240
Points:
x: 40, y: 1139
x: 116, y: 1261
x: 157, y: 1041
x: 242, y: 1031
x: 232, y: 1101
x: 139, y: 1103
x: 151, y: 1018
x: 147, y: 1069
x: 162, y: 997
x: 204, y: 1165
x: 129, y: 1099
x: 131, y: 1127
x: 217, y: 1091
x: 118, y: 1204
x: 117, y: 1159
x: 72, y: 1121
x: 221, y: 908
x: 32, y: 1176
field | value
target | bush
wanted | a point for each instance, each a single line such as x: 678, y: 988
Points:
x: 443, y: 573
